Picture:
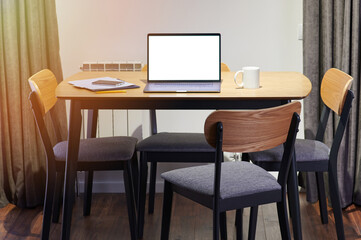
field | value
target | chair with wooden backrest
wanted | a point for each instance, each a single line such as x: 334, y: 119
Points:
x: 235, y: 185
x: 314, y: 155
x: 168, y: 147
x: 111, y: 153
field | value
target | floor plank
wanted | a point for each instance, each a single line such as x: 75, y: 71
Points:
x: 109, y: 220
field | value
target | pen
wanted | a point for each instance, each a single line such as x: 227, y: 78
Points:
x: 112, y: 91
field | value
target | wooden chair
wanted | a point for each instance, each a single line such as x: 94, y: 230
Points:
x: 111, y: 153
x: 168, y: 147
x: 235, y: 185
x: 225, y: 68
x: 314, y: 155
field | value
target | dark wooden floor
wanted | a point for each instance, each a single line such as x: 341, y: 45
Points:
x: 191, y: 221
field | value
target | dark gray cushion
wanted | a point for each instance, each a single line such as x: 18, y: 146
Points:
x: 306, y: 151
x: 99, y: 149
x: 175, y: 142
x: 237, y: 179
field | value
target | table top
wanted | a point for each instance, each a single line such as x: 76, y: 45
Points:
x: 274, y: 85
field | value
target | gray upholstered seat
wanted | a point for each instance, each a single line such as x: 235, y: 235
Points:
x: 251, y: 178
x: 175, y: 142
x: 93, y: 149
x: 308, y: 152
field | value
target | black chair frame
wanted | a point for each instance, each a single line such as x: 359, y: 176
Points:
x: 55, y: 176
x: 331, y: 167
x: 220, y: 206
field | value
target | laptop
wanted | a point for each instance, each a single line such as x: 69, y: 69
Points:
x: 183, y: 62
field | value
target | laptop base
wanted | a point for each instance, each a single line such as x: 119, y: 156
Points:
x: 183, y: 87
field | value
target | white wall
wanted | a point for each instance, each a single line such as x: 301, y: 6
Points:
x: 254, y: 32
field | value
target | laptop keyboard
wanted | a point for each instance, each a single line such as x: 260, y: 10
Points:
x: 183, y: 87
x: 183, y: 84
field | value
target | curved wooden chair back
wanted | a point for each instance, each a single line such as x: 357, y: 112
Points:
x: 251, y: 130
x: 42, y: 99
x: 334, y: 87
x: 44, y: 84
x: 224, y: 68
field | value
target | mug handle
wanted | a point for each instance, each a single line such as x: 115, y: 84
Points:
x: 235, y: 78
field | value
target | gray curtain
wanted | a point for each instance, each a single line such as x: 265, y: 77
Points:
x: 332, y: 39
x: 28, y: 43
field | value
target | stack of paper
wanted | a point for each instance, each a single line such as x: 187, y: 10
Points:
x: 89, y: 84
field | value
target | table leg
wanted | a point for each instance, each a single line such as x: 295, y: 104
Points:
x: 92, y: 123
x: 71, y: 166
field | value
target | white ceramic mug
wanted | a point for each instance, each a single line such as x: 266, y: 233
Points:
x: 250, y: 77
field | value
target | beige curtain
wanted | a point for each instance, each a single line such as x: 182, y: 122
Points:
x: 332, y: 39
x: 28, y: 43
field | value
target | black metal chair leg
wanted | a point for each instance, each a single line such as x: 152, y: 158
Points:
x: 135, y: 177
x: 223, y: 225
x: 153, y: 175
x: 322, y: 197
x: 289, y: 190
x: 88, y: 187
x: 58, y: 196
x: 216, y: 223
x: 71, y: 166
x: 167, y: 210
x: 239, y: 223
x: 68, y: 201
x: 293, y: 197
x: 238, y: 217
x: 336, y: 205
x: 253, y: 223
x: 245, y: 157
x: 142, y: 193
x: 129, y: 193
x: 48, y: 204
x: 283, y: 220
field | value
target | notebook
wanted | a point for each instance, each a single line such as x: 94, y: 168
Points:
x: 183, y: 62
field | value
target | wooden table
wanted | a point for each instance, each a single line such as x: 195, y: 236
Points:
x: 276, y: 88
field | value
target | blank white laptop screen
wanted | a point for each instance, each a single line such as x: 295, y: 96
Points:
x: 184, y: 57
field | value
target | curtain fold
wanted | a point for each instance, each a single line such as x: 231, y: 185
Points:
x: 28, y: 43
x: 332, y: 39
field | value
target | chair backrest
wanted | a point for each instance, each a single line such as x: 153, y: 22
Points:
x: 251, y: 131
x: 44, y: 84
x: 337, y: 97
x: 334, y: 86
x: 42, y: 99
x: 225, y: 68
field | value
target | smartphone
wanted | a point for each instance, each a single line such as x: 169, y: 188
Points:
x: 107, y: 82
